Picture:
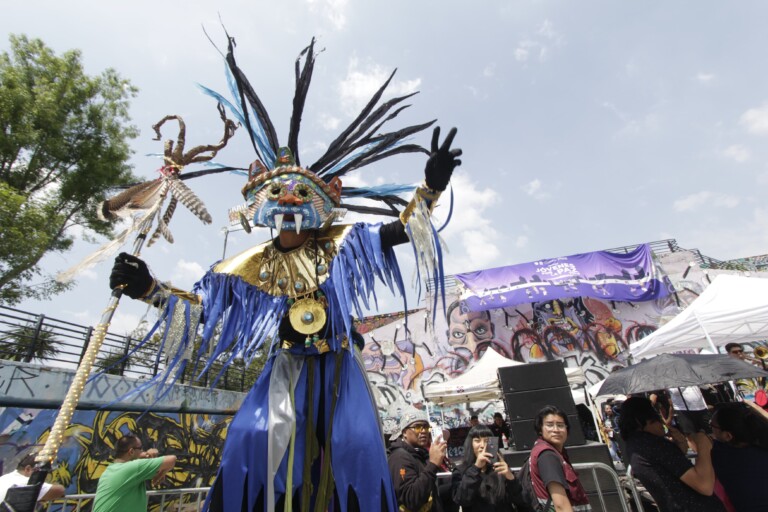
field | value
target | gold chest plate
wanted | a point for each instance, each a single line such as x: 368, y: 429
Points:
x: 295, y: 273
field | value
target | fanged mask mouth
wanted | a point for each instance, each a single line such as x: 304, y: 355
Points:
x: 296, y: 218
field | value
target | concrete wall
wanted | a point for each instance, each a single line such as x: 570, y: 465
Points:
x: 34, y: 386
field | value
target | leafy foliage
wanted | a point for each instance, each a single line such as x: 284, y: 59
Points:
x: 63, y: 144
x: 26, y: 340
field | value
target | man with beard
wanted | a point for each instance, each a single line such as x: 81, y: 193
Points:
x: 414, y: 464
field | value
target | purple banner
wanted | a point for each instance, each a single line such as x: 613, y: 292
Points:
x: 630, y: 277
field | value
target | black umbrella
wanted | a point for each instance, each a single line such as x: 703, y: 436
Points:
x: 677, y: 371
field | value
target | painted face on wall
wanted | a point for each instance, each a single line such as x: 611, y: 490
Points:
x: 292, y: 201
x: 469, y: 331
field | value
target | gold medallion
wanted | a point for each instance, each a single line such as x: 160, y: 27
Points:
x: 307, y: 316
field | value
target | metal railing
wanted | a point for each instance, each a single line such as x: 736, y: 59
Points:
x: 29, y: 337
x: 166, y: 500
x: 600, y: 493
x: 593, y: 467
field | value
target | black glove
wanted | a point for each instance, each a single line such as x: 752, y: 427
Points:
x: 442, y: 161
x: 133, y: 273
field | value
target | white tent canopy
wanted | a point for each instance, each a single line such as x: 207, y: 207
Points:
x: 731, y: 309
x: 481, y: 382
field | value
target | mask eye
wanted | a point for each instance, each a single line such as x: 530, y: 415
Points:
x: 274, y: 191
x: 302, y: 191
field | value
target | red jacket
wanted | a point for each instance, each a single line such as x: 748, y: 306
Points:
x: 576, y: 493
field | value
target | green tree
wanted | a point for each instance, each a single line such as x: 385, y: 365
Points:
x: 26, y: 341
x: 112, y: 363
x: 63, y: 144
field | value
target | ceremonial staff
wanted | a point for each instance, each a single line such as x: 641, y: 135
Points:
x: 146, y: 198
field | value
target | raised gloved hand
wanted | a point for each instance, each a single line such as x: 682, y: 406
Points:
x: 442, y: 161
x: 132, y: 272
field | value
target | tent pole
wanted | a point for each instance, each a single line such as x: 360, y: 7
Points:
x: 706, y: 334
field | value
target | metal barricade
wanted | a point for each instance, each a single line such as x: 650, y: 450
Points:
x: 170, y: 500
x: 633, y: 488
x: 593, y: 467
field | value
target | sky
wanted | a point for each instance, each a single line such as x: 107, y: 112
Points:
x: 585, y: 125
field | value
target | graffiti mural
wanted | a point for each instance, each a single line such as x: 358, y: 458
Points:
x: 195, y: 439
x: 403, y: 356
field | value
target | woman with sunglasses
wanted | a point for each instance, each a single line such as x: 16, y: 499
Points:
x: 740, y: 455
x: 661, y: 464
x: 484, y: 481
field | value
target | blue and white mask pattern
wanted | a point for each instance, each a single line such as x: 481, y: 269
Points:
x: 291, y: 202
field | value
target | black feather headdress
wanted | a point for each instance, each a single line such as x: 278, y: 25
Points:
x: 363, y: 142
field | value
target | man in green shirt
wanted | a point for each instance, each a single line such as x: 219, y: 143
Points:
x: 122, y: 486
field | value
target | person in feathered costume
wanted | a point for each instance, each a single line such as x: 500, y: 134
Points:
x: 308, y: 435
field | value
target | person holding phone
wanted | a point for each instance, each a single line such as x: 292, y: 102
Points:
x: 554, y: 480
x: 484, y: 482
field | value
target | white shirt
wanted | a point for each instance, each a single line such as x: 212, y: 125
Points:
x: 690, y: 400
x: 16, y: 479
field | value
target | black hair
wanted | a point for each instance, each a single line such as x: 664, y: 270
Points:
x: 498, y: 415
x: 744, y: 424
x: 492, y: 486
x: 635, y: 413
x: 125, y: 443
x: 546, y: 411
x: 28, y: 460
x: 731, y: 346
x: 473, y: 417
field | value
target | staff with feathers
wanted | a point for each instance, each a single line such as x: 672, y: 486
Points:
x: 142, y: 203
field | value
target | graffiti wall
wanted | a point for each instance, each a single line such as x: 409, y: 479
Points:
x: 403, y: 355
x: 195, y: 439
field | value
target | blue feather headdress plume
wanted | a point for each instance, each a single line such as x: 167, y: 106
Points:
x: 359, y: 144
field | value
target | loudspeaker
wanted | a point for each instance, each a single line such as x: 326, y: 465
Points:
x: 527, y: 404
x: 524, y: 435
x: 531, y: 376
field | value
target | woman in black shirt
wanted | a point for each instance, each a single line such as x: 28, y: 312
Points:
x: 482, y: 482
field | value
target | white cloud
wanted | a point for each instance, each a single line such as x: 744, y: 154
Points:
x: 124, y: 323
x: 738, y: 153
x: 546, y: 37
x: 480, y: 247
x: 523, y: 50
x: 471, y: 236
x: 704, y: 77
x: 756, y: 120
x: 329, y: 122
x: 333, y: 10
x: 547, y: 30
x: 186, y: 273
x: 490, y: 70
x: 694, y: 201
x: 521, y: 241
x: 691, y: 202
x: 726, y: 201
x: 532, y: 187
x: 360, y: 84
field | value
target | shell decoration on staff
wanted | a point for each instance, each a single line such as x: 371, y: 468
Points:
x: 142, y: 202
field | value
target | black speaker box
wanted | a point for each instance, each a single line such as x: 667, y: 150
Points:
x: 525, y: 405
x: 524, y: 435
x: 527, y: 377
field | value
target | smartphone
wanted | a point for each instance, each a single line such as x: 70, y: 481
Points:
x: 492, y: 447
x: 437, y: 432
